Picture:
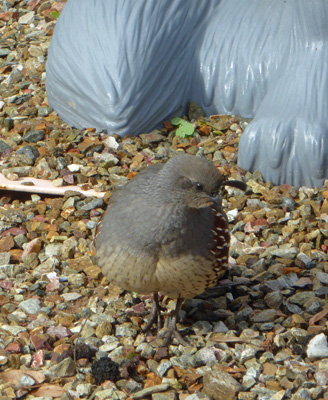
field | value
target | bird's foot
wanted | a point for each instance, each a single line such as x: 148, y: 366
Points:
x: 171, y: 332
x: 155, y: 315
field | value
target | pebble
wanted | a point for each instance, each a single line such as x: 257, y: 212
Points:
x: 27, y: 18
x: 219, y: 385
x: 317, y: 347
x: 33, y: 136
x: 30, y: 306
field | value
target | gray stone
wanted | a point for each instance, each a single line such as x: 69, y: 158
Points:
x: 29, y: 151
x: 302, y: 394
x: 163, y: 367
x: 108, y: 158
x: 202, y: 327
x: 264, y: 316
x: 205, y: 356
x: 301, y: 297
x: 131, y: 386
x: 33, y: 136
x: 64, y: 368
x: 197, y: 396
x: 26, y: 380
x: 5, y: 258
x: 13, y: 329
x: 150, y: 390
x: 125, y: 331
x: 304, y: 258
x: 314, y: 307
x: 4, y: 146
x: 30, y: 306
x: 322, y: 278
x: 219, y: 385
x: 53, y: 250
x: 285, y: 252
x: 44, y: 111
x: 27, y: 18
x: 274, y: 299
x: 4, y: 52
x: 220, y: 327
x: 288, y: 203
x: 95, y: 203
x: 317, y: 347
x: 170, y: 395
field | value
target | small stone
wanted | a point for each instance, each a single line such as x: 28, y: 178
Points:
x: 108, y: 158
x: 33, y: 136
x: 27, y: 18
x: 220, y: 327
x: 30, y: 306
x: 95, y: 203
x: 150, y: 390
x: 29, y: 151
x: 74, y: 167
x: 71, y: 296
x: 205, y: 356
x: 285, y: 252
x: 111, y: 143
x: 125, y: 331
x: 163, y: 367
x: 64, y: 368
x: 202, y: 327
x: 219, y: 385
x: 13, y: 329
x: 53, y: 250
x: 5, y: 258
x: 322, y: 278
x: 26, y: 380
x: 103, y: 329
x: 321, y: 377
x: 84, y: 389
x: 304, y: 258
x: 4, y: 146
x: 44, y: 111
x: 152, y: 137
x: 317, y: 347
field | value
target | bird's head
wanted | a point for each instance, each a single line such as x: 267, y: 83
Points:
x: 193, y: 181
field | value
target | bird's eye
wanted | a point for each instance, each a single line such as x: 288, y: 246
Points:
x: 199, y: 186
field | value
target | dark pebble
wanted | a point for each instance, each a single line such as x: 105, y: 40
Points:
x: 288, y: 203
x: 29, y: 151
x: 4, y: 146
x: 33, y: 136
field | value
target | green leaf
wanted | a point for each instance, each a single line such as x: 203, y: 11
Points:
x: 176, y: 121
x: 185, y: 129
x: 55, y: 14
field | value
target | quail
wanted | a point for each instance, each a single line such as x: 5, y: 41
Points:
x: 165, y: 232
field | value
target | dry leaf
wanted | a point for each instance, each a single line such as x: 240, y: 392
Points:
x: 14, y: 375
x: 49, y: 390
x: 317, y: 317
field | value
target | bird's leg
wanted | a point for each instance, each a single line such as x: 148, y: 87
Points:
x: 172, y: 331
x: 155, y: 315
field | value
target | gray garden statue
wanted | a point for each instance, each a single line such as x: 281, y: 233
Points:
x: 125, y: 66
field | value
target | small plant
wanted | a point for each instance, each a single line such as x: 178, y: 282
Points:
x: 55, y: 14
x: 185, y: 128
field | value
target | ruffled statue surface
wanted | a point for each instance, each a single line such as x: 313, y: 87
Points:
x: 126, y: 66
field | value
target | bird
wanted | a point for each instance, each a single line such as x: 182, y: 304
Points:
x: 165, y: 232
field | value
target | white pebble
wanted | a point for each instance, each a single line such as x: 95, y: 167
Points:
x: 74, y: 167
x: 317, y: 347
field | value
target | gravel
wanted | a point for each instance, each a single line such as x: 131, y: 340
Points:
x: 260, y: 334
